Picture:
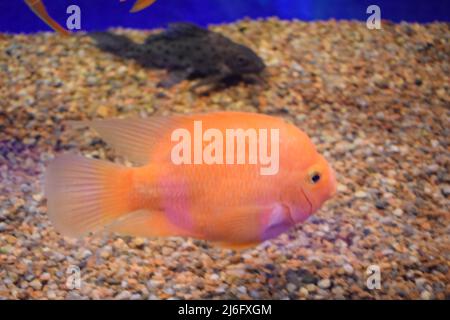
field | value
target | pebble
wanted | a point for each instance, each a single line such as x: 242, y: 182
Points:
x: 381, y: 204
x: 324, y: 283
x: 445, y: 190
x: 124, y: 295
x: 36, y: 284
x: 291, y: 287
x: 426, y: 295
x: 360, y: 194
x: 303, y: 292
x: 398, y: 212
x: 106, y: 252
x: 348, y: 268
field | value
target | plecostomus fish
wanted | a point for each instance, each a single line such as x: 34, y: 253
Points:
x: 186, y: 51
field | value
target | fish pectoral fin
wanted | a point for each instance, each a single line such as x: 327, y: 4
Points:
x: 236, y: 246
x: 173, y: 78
x: 238, y: 225
x: 146, y: 223
x: 252, y: 224
x: 133, y: 138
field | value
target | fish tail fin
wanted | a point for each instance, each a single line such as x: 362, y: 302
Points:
x: 85, y: 195
x: 116, y: 44
x: 39, y: 9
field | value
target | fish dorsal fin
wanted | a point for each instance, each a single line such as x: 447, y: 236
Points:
x: 184, y: 29
x: 135, y: 138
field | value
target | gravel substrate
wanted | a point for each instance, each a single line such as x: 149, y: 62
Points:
x: 376, y: 103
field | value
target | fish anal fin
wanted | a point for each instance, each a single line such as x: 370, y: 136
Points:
x: 146, y: 223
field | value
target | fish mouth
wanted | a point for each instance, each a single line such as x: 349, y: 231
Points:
x: 291, y: 220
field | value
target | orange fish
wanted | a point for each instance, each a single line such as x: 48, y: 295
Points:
x: 229, y: 203
x: 39, y: 9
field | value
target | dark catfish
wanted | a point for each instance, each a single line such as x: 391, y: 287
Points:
x: 186, y: 51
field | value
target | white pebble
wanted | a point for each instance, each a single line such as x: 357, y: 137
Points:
x: 324, y: 283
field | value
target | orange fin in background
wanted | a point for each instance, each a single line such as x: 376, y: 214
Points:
x: 85, y: 195
x: 141, y: 4
x: 145, y: 223
x: 39, y: 9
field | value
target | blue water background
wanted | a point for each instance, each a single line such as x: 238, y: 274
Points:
x: 15, y: 16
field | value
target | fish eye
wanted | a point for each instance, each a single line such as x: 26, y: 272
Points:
x: 315, y: 177
x: 241, y: 59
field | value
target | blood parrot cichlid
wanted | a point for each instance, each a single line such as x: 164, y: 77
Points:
x: 229, y: 203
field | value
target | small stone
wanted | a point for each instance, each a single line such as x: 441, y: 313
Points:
x: 73, y: 295
x: 242, y: 289
x: 106, y: 252
x: 169, y: 291
x: 153, y: 284
x: 421, y: 282
x: 3, y: 226
x: 398, y: 212
x: 59, y: 256
x: 37, y: 197
x: 360, y: 194
x: 45, y: 276
x: 124, y: 295
x: 432, y: 168
x: 445, y: 190
x: 381, y: 204
x: 138, y: 242
x: 36, y: 284
x: 291, y: 287
x: 86, y: 254
x: 324, y: 283
x: 348, y: 268
x: 425, y: 295
x: 214, y: 277
x: 338, y: 292
x: 303, y: 292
